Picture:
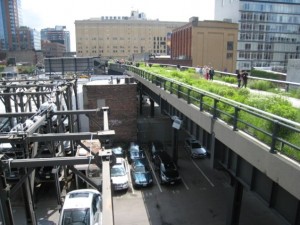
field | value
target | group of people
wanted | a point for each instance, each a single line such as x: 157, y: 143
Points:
x: 242, y: 78
x: 207, y: 72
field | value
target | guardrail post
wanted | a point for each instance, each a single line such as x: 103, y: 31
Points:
x: 287, y: 87
x: 178, y: 91
x: 171, y: 88
x: 164, y: 84
x: 274, y: 137
x: 189, y: 96
x: 215, y: 108
x: 235, y: 118
x: 201, y: 102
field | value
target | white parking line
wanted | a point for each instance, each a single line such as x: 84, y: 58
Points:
x: 182, y: 180
x: 211, y: 183
x: 153, y: 172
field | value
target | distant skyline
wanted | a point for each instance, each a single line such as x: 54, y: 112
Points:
x: 45, y: 14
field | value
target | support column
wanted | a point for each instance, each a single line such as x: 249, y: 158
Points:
x: 29, y: 207
x: 235, y: 204
x: 5, y: 207
x: 141, y: 102
x: 212, y: 150
x: 175, y: 145
x: 151, y: 108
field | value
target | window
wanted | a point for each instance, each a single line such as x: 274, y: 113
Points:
x: 230, y: 46
x: 229, y: 55
x: 247, y: 46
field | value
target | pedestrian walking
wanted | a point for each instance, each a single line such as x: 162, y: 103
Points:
x: 211, y: 73
x: 206, y: 73
x: 244, y: 79
x: 239, y: 78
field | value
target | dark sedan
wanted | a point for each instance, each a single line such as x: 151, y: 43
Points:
x: 140, y: 173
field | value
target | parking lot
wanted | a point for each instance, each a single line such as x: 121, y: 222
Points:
x: 201, y: 198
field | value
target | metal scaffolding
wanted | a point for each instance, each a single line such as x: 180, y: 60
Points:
x: 41, y: 117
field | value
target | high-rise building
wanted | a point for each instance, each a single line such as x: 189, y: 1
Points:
x: 268, y: 31
x: 29, y: 39
x: 57, y: 35
x: 10, y: 21
x: 122, y: 37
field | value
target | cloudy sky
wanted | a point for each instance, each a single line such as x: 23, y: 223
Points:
x: 41, y: 14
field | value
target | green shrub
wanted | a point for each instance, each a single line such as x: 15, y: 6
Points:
x: 261, y: 85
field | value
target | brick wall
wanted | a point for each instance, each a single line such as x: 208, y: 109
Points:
x: 122, y: 102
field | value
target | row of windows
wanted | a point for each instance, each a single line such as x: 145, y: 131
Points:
x: 270, y: 7
x: 267, y: 37
x: 120, y: 51
x: 266, y: 55
x: 282, y: 28
x: 272, y: 18
x: 120, y: 38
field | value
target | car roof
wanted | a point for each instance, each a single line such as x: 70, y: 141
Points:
x: 81, y: 198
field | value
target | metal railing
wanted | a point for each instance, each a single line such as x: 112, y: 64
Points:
x: 278, y: 133
x: 280, y: 83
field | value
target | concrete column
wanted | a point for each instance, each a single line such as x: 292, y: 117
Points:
x: 151, y: 108
x: 235, y: 204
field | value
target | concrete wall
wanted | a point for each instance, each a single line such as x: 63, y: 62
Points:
x: 293, y: 70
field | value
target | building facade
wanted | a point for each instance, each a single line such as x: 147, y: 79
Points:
x: 57, y: 35
x: 29, y: 39
x: 206, y: 43
x: 53, y: 49
x: 268, y: 31
x: 122, y: 37
x: 10, y: 21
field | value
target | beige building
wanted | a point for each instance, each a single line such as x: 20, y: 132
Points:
x: 211, y: 43
x: 122, y: 37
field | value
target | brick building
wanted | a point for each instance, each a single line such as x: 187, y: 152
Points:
x: 121, y: 98
x: 211, y: 43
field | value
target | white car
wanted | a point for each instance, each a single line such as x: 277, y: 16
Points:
x: 82, y: 207
x: 195, y: 148
x: 119, y: 175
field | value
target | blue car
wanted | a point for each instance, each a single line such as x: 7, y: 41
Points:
x: 140, y: 173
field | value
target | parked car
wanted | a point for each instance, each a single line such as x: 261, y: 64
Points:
x: 119, y: 175
x: 168, y: 172
x: 118, y: 152
x: 140, y: 173
x: 135, y: 152
x: 195, y: 148
x: 154, y: 147
x: 83, y: 206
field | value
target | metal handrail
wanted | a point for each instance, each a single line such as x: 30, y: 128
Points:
x: 277, y: 127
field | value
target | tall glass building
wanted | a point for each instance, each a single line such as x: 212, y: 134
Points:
x: 10, y: 21
x: 268, y: 31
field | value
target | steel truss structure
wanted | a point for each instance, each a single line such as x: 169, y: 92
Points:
x: 41, y: 116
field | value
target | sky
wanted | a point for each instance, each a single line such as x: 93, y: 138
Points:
x: 39, y: 14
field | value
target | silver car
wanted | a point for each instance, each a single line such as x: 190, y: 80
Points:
x: 195, y: 148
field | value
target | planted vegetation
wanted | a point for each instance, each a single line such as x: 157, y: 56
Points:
x: 276, y: 105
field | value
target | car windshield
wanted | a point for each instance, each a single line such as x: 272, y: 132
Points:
x: 117, y: 171
x: 140, y: 169
x: 196, y: 145
x: 76, y: 216
x: 117, y: 150
x: 136, y: 154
